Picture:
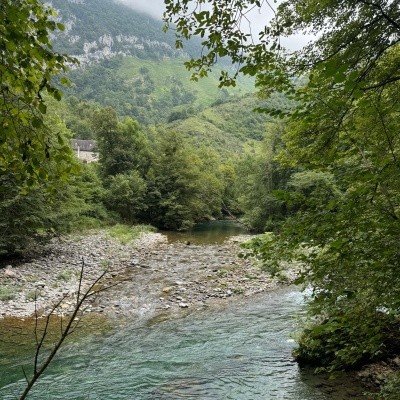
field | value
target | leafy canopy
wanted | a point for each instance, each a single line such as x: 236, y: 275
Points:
x: 360, y: 31
x: 27, y: 67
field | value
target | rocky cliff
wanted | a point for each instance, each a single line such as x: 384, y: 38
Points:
x: 100, y: 29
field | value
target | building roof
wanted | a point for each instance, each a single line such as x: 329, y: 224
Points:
x: 83, y: 145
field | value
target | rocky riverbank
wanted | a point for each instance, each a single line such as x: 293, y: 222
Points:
x: 154, y: 279
x: 153, y: 276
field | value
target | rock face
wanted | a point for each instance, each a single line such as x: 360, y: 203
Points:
x: 92, y: 35
x: 153, y: 276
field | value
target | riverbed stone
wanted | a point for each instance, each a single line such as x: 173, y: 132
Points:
x: 10, y: 273
x: 159, y: 267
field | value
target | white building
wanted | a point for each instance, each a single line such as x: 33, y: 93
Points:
x: 85, y: 150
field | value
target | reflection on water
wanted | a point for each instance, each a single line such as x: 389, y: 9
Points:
x: 241, y: 351
x: 208, y: 232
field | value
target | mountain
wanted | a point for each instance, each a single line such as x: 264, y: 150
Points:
x: 129, y: 63
x: 150, y: 91
x: 99, y: 29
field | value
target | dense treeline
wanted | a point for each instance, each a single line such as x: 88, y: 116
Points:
x: 152, y: 175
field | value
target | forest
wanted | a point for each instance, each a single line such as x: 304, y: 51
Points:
x: 312, y: 163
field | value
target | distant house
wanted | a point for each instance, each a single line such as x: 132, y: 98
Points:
x: 85, y: 150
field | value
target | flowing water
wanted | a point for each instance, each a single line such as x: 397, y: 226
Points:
x: 237, y: 351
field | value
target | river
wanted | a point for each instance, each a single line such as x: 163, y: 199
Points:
x: 240, y: 350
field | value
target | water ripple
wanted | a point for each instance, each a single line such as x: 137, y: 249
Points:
x: 240, y: 353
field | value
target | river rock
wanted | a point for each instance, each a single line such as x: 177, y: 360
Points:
x: 10, y: 273
x: 396, y: 361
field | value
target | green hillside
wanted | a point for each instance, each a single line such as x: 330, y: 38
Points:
x: 131, y: 65
x: 150, y: 91
x: 170, y: 73
x: 231, y: 126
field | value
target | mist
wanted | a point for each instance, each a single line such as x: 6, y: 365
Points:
x: 257, y: 19
x: 154, y: 8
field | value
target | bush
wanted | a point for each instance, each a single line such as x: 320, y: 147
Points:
x: 391, y: 389
x: 350, y: 338
x: 7, y: 293
x: 126, y: 233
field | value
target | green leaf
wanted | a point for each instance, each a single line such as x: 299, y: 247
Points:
x: 37, y: 123
x: 349, y: 85
x: 42, y: 108
x: 340, y: 77
x: 353, y: 75
x: 364, y: 102
x: 43, y: 174
x: 65, y: 81
x: 358, y: 93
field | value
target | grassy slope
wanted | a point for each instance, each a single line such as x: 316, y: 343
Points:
x: 161, y: 71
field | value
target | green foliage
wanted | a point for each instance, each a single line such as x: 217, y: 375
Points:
x: 84, y: 199
x: 33, y: 217
x: 122, y: 147
x: 259, y: 177
x: 127, y: 233
x: 342, y: 141
x: 391, y: 388
x: 65, y: 275
x: 7, y: 293
x: 228, y: 178
x: 18, y: 226
x: 33, y: 295
x: 156, y: 96
x: 350, y: 336
x: 78, y: 116
x: 125, y: 195
x: 28, y: 64
x: 182, y: 189
x: 358, y: 32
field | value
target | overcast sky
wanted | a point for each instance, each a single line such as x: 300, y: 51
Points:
x: 156, y: 8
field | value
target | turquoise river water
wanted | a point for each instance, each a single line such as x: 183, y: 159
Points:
x: 239, y: 351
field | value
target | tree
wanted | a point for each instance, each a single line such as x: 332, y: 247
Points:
x: 28, y: 65
x: 358, y: 32
x: 181, y: 189
x: 122, y: 147
x: 259, y: 177
x: 32, y: 217
x: 126, y: 194
x: 32, y: 214
x: 343, y: 139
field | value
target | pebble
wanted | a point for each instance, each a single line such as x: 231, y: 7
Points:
x: 175, y: 270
